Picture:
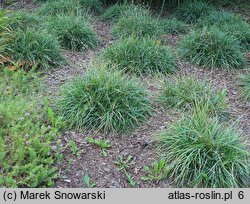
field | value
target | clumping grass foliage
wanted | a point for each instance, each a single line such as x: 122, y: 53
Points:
x: 113, y: 13
x: 219, y: 18
x: 92, y: 5
x: 140, y: 56
x: 212, y: 48
x: 232, y: 24
x: 241, y: 31
x: 25, y: 139
x: 102, y: 100
x: 73, y: 33
x: 34, y: 48
x: 4, y: 34
x: 22, y: 20
x: 3, y: 19
x: 245, y: 84
x: 60, y: 7
x: 188, y: 93
x: 137, y: 22
x: 204, y: 153
x: 174, y: 26
x: 191, y: 11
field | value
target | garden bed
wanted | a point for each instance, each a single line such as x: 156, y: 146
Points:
x: 76, y: 161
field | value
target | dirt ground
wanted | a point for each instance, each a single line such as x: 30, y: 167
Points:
x: 140, y: 144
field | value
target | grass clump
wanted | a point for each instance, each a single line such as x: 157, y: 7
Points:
x: 61, y: 7
x: 140, y: 56
x: 191, y: 11
x: 174, y: 26
x: 114, y: 12
x: 34, y: 48
x: 2, y: 19
x: 240, y: 31
x: 25, y: 138
x: 137, y: 22
x: 212, y: 48
x: 4, y: 35
x: 189, y: 93
x: 204, y: 153
x: 245, y: 85
x: 232, y: 24
x: 103, y: 100
x: 73, y: 33
x: 219, y: 18
x: 23, y: 20
x: 92, y: 5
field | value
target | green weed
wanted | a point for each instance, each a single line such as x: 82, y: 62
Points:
x: 69, y: 164
x: 130, y: 179
x: 158, y: 172
x: 123, y: 164
x: 103, y: 144
x: 74, y: 148
x: 56, y: 122
x: 88, y: 183
x: 58, y: 153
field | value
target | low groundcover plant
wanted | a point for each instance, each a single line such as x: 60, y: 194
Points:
x: 37, y: 48
x: 212, y: 48
x: 73, y: 33
x: 188, y: 93
x: 103, y: 100
x: 204, y: 153
x: 140, y: 56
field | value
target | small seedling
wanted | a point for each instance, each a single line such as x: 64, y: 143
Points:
x: 124, y: 164
x: 130, y: 179
x: 58, y: 153
x: 56, y: 122
x: 103, y: 144
x: 74, y: 148
x: 158, y: 172
x: 68, y: 166
x: 88, y: 183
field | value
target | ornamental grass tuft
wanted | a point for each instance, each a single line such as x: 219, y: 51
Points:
x: 104, y: 101
x: 202, y: 152
x: 212, y: 48
x: 140, y: 56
